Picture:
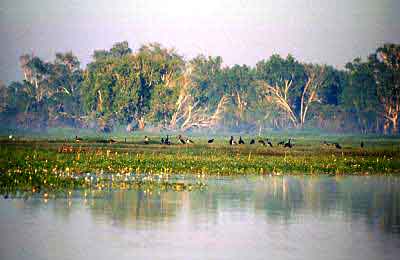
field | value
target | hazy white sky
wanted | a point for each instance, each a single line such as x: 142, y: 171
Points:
x: 241, y: 31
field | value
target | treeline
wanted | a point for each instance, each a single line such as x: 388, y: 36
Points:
x: 156, y: 87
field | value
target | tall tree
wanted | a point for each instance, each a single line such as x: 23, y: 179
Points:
x: 360, y: 99
x: 281, y: 81
x: 237, y: 82
x: 385, y: 63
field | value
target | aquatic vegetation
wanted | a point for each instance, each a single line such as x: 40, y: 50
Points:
x: 43, y: 167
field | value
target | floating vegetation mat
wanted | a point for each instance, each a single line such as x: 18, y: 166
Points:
x: 42, y: 167
x: 63, y: 184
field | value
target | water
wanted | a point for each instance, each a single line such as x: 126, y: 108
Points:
x: 235, y: 218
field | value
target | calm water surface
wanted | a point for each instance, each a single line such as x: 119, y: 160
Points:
x: 235, y: 218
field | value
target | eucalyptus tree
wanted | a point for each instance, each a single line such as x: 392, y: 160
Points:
x: 385, y: 64
x: 201, y: 102
x: 66, y: 79
x: 36, y: 72
x: 98, y: 90
x: 327, y: 112
x: 280, y: 82
x: 122, y: 87
x: 237, y: 82
x: 292, y: 86
x: 156, y: 68
x: 360, y: 98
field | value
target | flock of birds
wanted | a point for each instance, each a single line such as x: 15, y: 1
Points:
x: 232, y: 141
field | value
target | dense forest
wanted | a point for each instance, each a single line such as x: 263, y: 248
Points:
x: 156, y: 88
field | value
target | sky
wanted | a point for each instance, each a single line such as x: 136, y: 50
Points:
x: 240, y: 31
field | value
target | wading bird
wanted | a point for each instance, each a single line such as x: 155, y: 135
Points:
x: 232, y: 141
x: 288, y: 144
x: 184, y: 140
x: 180, y: 138
x: 241, y: 140
x: 167, y: 141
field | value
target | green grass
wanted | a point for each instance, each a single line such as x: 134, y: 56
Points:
x: 36, y: 164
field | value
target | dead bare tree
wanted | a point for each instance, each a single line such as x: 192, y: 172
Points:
x: 315, y: 80
x: 279, y: 95
x: 189, y: 113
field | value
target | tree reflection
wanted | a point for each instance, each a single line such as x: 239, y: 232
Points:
x: 375, y: 200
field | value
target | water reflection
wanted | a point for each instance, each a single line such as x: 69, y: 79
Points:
x: 375, y: 199
x: 234, y: 218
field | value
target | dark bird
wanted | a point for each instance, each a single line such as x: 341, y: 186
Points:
x: 180, y: 138
x: 326, y: 143
x: 281, y: 143
x: 241, y: 140
x: 167, y: 141
x: 146, y: 139
x: 288, y: 144
x: 252, y: 141
x: 232, y: 141
x: 78, y: 139
x: 337, y: 145
x: 210, y: 141
x: 362, y: 144
x: 269, y: 143
x: 162, y: 140
x: 261, y: 142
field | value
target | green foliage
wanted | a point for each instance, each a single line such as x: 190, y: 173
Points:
x: 121, y: 86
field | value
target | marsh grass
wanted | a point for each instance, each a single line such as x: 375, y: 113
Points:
x: 38, y: 166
